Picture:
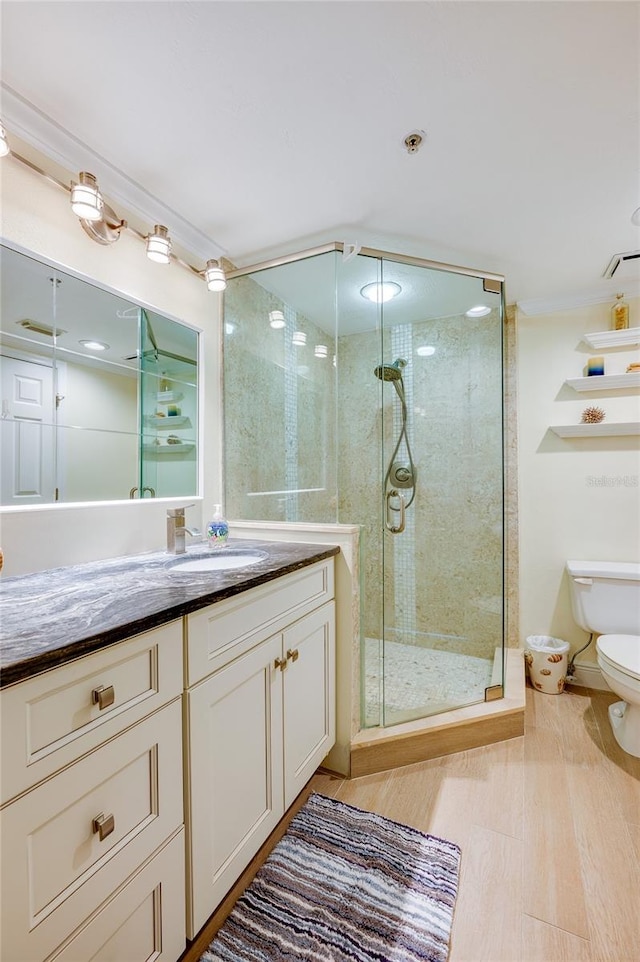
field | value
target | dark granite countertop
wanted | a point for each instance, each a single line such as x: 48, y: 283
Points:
x: 54, y: 616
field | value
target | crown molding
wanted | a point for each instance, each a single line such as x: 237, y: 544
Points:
x: 22, y: 118
x: 567, y: 302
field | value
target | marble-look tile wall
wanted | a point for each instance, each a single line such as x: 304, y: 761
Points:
x: 445, y: 588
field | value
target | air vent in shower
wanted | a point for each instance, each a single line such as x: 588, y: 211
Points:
x: 38, y: 328
x: 618, y: 261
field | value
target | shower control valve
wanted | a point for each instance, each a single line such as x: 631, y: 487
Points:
x: 402, y: 475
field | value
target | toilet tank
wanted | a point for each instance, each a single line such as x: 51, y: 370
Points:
x: 605, y: 596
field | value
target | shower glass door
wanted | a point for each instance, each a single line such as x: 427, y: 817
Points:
x: 439, y: 377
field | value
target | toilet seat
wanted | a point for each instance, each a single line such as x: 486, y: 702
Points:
x: 621, y: 652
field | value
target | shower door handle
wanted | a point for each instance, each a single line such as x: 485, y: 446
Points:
x: 395, y: 528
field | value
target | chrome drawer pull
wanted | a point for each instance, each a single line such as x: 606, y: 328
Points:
x: 104, y: 825
x: 103, y: 697
x: 293, y: 654
x: 280, y: 663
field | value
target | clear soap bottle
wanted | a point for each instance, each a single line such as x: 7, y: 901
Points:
x: 217, y: 529
x: 620, y: 314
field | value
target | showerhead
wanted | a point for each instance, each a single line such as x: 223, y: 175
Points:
x: 391, y: 372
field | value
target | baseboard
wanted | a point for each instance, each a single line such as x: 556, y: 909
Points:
x: 588, y: 675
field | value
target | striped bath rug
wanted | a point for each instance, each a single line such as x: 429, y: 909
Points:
x: 344, y: 885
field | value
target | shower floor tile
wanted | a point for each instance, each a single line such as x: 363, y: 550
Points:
x: 419, y: 681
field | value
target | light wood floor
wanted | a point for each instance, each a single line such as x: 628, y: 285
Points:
x: 549, y: 827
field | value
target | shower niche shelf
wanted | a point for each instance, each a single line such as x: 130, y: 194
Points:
x: 604, y: 382
x: 626, y: 338
x: 601, y: 430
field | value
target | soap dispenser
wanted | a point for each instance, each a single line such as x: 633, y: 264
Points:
x: 217, y: 529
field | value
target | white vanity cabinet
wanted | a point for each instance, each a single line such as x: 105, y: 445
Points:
x: 258, y: 722
x: 92, y: 808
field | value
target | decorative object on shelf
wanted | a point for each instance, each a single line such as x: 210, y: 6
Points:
x: 592, y: 415
x: 620, y: 314
x: 217, y: 529
x: 165, y: 384
x: 595, y: 366
x: 174, y: 439
x: 634, y: 367
x: 173, y: 411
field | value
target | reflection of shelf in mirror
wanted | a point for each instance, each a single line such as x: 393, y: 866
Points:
x: 164, y: 449
x: 601, y: 430
x: 604, y: 382
x: 626, y: 338
x: 170, y: 421
x: 165, y: 397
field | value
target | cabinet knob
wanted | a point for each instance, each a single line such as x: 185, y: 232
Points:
x: 103, y: 825
x: 280, y: 663
x: 293, y: 654
x: 103, y: 697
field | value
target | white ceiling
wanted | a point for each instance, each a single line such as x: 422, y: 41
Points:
x: 272, y: 126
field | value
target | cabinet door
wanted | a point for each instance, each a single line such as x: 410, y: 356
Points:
x: 309, y: 697
x: 234, y: 774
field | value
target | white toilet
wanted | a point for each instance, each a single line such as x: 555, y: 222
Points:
x: 605, y: 599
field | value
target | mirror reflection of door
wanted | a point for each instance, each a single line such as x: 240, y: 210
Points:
x: 26, y: 432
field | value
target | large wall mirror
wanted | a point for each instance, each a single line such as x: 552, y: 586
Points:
x: 99, y: 394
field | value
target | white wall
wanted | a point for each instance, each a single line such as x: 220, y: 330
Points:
x: 578, y: 498
x: 36, y: 214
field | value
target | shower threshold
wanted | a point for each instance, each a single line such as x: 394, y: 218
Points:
x: 379, y: 749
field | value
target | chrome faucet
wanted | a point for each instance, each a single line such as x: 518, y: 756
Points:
x: 177, y: 529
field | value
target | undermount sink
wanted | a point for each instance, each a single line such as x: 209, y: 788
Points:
x: 223, y: 560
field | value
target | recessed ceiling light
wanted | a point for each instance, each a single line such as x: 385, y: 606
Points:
x: 380, y: 291
x: 425, y: 350
x: 480, y: 310
x: 94, y: 345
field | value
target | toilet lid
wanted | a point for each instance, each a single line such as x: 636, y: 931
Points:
x: 623, y: 651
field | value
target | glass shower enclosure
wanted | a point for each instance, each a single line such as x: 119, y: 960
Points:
x: 362, y: 387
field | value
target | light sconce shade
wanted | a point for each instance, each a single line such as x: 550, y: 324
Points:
x: 276, y: 320
x: 480, y: 310
x: 380, y: 292
x: 299, y: 338
x: 159, y: 245
x: 214, y: 276
x: 4, y: 146
x: 321, y: 350
x: 86, y: 201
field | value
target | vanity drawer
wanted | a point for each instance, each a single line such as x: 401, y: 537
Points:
x: 56, y: 868
x: 223, y: 631
x: 56, y: 717
x: 144, y: 921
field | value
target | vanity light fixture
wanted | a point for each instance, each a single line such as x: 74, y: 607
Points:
x: 86, y: 200
x: 299, y: 338
x: 380, y: 291
x: 4, y: 146
x: 159, y: 245
x: 94, y: 345
x: 480, y: 310
x: 214, y: 276
x: 321, y: 350
x: 276, y: 320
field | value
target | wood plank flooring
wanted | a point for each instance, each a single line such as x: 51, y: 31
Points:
x: 549, y: 827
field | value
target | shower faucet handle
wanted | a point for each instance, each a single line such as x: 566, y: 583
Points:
x: 395, y: 528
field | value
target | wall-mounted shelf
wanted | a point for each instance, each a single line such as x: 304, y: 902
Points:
x: 166, y: 397
x: 626, y: 338
x: 163, y: 450
x: 604, y: 382
x: 602, y: 430
x: 171, y: 421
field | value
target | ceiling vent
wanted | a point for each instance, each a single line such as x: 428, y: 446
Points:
x: 619, y: 261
